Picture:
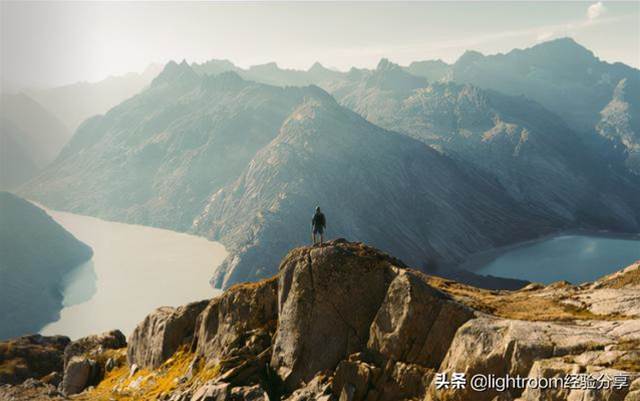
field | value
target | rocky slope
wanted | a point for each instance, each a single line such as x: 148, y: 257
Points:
x: 345, y: 321
x: 35, y: 254
x: 531, y: 152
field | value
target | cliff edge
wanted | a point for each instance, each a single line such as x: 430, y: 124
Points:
x: 346, y: 322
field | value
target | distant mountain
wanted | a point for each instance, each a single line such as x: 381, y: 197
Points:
x: 245, y: 163
x: 157, y: 157
x: 76, y: 102
x: 271, y: 74
x: 566, y: 78
x: 35, y: 254
x: 531, y: 152
x: 432, y: 70
x: 30, y: 137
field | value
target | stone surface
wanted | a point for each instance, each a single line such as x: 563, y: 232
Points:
x: 31, y: 356
x: 328, y: 297
x: 161, y: 333
x: 490, y: 345
x: 78, y: 375
x: 94, y: 344
x: 237, y: 323
x: 416, y: 322
x: 212, y: 392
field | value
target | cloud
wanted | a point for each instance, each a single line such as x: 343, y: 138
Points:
x: 595, y: 11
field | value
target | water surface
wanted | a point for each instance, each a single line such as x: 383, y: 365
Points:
x: 575, y: 258
x: 134, y: 270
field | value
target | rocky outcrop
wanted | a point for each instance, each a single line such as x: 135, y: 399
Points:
x: 161, y: 333
x: 416, y: 322
x: 241, y: 320
x: 79, y: 372
x: 345, y: 322
x: 95, y: 344
x: 328, y: 297
x: 32, y: 356
x: 501, y: 347
x: 84, y: 360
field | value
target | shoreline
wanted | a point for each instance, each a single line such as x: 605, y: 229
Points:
x: 480, y: 259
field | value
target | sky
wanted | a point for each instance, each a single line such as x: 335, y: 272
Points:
x: 46, y: 44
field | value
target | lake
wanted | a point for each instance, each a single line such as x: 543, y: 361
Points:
x: 575, y: 258
x: 134, y: 270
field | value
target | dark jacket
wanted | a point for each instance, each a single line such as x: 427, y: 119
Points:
x: 318, y: 220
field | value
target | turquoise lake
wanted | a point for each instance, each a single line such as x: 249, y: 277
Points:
x: 575, y: 258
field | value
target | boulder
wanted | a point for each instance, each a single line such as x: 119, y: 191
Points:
x: 416, y: 323
x: 328, y: 297
x: 318, y: 389
x: 78, y: 375
x: 238, y: 324
x: 353, y: 379
x: 95, y: 344
x: 359, y: 380
x: 490, y: 345
x: 212, y: 392
x: 248, y: 393
x: 161, y: 333
x: 557, y: 367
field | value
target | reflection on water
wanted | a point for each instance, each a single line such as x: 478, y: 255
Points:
x: 80, y: 284
x: 575, y: 258
x: 134, y: 270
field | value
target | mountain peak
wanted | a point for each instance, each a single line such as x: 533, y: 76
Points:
x: 317, y: 67
x: 469, y: 57
x: 385, y: 64
x: 390, y: 76
x: 562, y: 49
x: 173, y: 72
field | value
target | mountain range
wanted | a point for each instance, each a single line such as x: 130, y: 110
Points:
x: 591, y: 96
x: 74, y: 103
x: 411, y: 159
x: 35, y: 124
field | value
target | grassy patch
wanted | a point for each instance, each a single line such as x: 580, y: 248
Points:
x: 171, y: 376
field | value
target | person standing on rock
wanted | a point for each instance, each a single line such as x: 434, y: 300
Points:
x: 318, y: 223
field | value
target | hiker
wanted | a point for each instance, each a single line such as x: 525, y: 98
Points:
x: 318, y: 224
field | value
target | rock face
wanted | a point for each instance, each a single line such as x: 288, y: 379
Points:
x: 161, y: 334
x: 328, y: 298
x: 416, y: 322
x: 83, y: 360
x: 78, y: 374
x: 244, y: 317
x: 95, y: 344
x: 500, y: 346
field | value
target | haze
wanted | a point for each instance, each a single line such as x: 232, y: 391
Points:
x: 54, y: 43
